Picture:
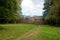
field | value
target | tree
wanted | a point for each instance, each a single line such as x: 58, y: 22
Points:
x: 9, y: 10
x: 52, y: 12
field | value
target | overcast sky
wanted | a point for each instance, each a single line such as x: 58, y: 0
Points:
x: 32, y: 7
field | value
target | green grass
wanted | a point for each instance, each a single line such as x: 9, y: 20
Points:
x: 49, y: 33
x: 13, y: 31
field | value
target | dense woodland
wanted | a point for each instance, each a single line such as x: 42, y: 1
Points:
x: 51, y: 14
x: 9, y: 11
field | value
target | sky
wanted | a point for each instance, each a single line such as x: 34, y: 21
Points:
x: 32, y: 7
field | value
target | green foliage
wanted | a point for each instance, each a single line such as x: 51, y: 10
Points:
x: 52, y: 11
x: 9, y: 10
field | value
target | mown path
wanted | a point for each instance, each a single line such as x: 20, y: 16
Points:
x: 32, y: 33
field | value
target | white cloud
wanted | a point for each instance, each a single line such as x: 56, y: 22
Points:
x: 27, y: 2
x: 29, y: 7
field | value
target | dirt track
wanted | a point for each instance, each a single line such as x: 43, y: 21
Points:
x: 32, y: 33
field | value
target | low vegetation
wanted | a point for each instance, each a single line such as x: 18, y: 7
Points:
x: 49, y: 33
x: 13, y: 31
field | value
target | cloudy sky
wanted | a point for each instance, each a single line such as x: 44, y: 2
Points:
x: 32, y: 7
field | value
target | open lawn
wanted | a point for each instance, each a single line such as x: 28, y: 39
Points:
x: 29, y: 32
x: 12, y: 31
x: 49, y: 33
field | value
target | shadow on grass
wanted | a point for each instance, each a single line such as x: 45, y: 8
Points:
x: 2, y: 28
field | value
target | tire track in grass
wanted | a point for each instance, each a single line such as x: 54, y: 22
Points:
x: 33, y: 32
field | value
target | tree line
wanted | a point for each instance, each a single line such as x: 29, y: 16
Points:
x: 10, y: 11
x: 51, y: 14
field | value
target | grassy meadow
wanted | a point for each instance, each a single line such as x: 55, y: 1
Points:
x: 14, y: 31
x: 49, y: 33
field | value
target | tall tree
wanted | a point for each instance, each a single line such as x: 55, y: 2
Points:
x: 52, y: 12
x: 9, y: 10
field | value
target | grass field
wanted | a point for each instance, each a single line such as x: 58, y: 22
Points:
x: 49, y: 33
x: 29, y: 32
